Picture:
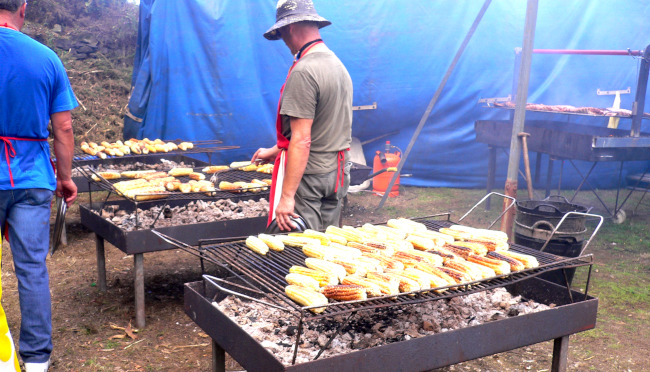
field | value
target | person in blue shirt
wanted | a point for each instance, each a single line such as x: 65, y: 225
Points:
x: 34, y: 90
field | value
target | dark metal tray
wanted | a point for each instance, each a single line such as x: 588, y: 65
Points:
x: 418, y: 354
x: 142, y: 241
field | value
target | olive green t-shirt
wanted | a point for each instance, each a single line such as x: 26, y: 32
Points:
x: 320, y: 88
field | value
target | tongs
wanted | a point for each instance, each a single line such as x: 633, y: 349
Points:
x: 59, y: 224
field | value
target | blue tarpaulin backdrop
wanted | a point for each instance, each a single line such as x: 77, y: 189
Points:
x: 204, y: 71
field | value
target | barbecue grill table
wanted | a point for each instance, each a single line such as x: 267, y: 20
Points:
x: 138, y: 242
x: 417, y: 354
x: 264, y: 278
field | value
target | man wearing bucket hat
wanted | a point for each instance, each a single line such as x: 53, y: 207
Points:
x: 313, y: 124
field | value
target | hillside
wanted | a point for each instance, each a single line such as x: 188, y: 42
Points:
x: 96, y: 40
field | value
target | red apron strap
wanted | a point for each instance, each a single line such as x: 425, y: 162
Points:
x: 282, y: 142
x: 10, y: 152
x: 340, y: 169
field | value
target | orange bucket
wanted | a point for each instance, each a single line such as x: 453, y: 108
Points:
x: 382, y: 160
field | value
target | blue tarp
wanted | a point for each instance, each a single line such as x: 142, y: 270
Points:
x: 203, y: 71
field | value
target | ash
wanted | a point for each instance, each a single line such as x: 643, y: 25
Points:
x: 276, y: 331
x: 198, y: 211
x: 164, y: 165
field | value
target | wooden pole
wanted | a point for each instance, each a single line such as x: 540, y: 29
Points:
x: 520, y: 115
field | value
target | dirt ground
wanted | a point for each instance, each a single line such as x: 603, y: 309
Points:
x: 93, y: 330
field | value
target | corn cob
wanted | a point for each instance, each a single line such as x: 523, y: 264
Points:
x: 268, y: 181
x: 257, y: 245
x: 105, y: 175
x: 136, y: 174
x: 386, y: 248
x: 146, y: 193
x: 317, y: 251
x: 309, y: 233
x: 126, y: 185
x: 372, y: 289
x: 405, y: 284
x: 459, y: 276
x: 421, y: 243
x: 370, y: 264
x: 388, y: 285
x: 526, y: 259
x: 161, y: 181
x: 499, y: 267
x: 428, y: 257
x: 420, y: 277
x: 485, y: 271
x: 272, y: 242
x: 357, y: 235
x: 303, y: 281
x: 458, y: 250
x: 387, y: 262
x: 154, y: 175
x: 345, y: 292
x: 461, y: 266
x: 434, y: 280
x: 351, y: 267
x: 323, y: 278
x: 483, y: 233
x: 391, y: 232
x: 515, y: 265
x: 456, y: 234
x: 477, y: 247
x: 239, y: 164
x: 173, y: 185
x: 436, y: 271
x: 179, y: 172
x: 363, y: 248
x: 172, y: 146
x: 326, y: 266
x: 417, y: 226
x: 265, y: 168
x: 185, y: 188
x: 306, y: 297
x: 400, y: 225
x: 338, y: 239
x: 185, y: 146
x: 344, y: 251
x: 437, y: 237
x: 214, y: 169
x: 294, y: 241
x: 196, y: 176
x: 347, y: 235
x: 444, y: 253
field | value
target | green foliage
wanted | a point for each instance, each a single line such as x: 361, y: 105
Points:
x: 72, y: 12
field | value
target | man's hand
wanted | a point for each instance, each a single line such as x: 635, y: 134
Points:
x: 67, y: 190
x: 265, y: 155
x: 284, y: 212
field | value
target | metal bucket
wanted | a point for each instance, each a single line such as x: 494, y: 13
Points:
x: 535, y: 216
x: 566, y: 247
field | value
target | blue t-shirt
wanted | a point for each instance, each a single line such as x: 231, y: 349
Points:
x: 33, y: 86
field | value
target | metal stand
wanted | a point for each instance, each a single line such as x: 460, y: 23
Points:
x: 560, y: 354
x: 218, y: 358
x: 138, y: 280
x: 101, y: 263
x: 138, y: 263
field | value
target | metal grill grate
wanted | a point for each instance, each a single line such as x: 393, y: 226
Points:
x: 265, y: 275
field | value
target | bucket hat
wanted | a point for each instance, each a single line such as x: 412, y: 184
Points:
x: 292, y: 11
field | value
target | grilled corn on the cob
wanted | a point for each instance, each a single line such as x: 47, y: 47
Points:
x: 515, y: 265
x: 345, y: 292
x: 306, y: 297
x: 257, y: 245
x: 272, y: 242
x: 326, y: 266
x: 303, y: 281
x: 323, y: 278
x: 372, y: 289
x: 499, y: 267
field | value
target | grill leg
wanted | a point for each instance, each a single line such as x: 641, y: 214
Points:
x: 218, y: 358
x: 560, y: 354
x: 138, y: 263
x: 101, y: 263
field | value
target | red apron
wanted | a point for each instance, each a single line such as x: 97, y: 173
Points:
x: 281, y: 159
